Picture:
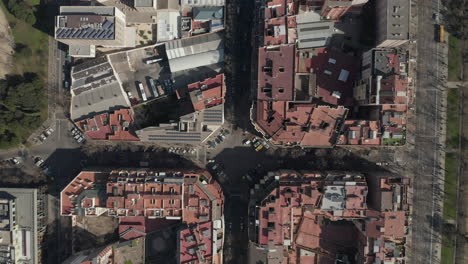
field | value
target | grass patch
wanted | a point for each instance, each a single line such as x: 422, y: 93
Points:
x: 450, y: 186
x: 448, y: 245
x: 454, y: 59
x: 453, y: 114
x: 34, y: 39
x: 393, y: 141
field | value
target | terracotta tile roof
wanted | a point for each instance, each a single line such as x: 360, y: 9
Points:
x: 196, y: 243
x: 275, y: 8
x: 275, y: 73
x: 205, y: 94
x: 304, y: 124
x: 361, y: 132
x: 395, y: 223
x: 109, y: 126
x: 289, y: 216
x: 128, y: 195
x: 275, y: 31
x: 335, y: 73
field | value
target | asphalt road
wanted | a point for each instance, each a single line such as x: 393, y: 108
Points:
x: 429, y: 139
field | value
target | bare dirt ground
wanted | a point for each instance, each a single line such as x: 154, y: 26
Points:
x: 6, y: 46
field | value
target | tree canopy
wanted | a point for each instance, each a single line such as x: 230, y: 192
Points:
x: 22, y: 10
x: 456, y: 17
x: 21, y: 100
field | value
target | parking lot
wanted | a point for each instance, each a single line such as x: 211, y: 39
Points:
x: 140, y: 66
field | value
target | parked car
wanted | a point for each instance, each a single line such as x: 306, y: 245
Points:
x: 259, y: 147
x: 256, y: 144
x: 246, y: 142
x: 38, y: 161
x: 15, y: 161
x: 211, y: 144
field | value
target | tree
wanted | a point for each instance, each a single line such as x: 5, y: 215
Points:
x: 22, y: 10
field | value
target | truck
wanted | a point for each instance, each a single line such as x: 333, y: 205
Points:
x: 142, y: 90
x: 153, y: 87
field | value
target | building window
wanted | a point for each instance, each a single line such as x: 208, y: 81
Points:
x: 153, y: 190
x: 153, y: 201
x: 171, y: 201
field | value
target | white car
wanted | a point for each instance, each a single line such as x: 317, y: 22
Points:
x: 39, y: 162
x: 15, y: 161
x: 80, y: 139
x: 42, y: 137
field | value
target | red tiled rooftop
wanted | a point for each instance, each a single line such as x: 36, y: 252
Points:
x: 142, y: 199
x: 306, y: 124
x: 197, y: 238
x: 275, y: 8
x: 205, y: 94
x: 324, y: 127
x: 395, y: 224
x: 109, y: 126
x: 360, y: 132
x: 275, y: 73
x: 335, y: 73
x: 356, y: 197
x: 275, y: 31
x: 393, y: 90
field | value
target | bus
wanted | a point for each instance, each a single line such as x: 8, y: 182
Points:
x: 440, y: 33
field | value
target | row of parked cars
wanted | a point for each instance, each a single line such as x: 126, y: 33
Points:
x: 181, y: 150
x: 77, y: 135
x: 257, y: 143
x: 218, y: 139
x: 44, y: 135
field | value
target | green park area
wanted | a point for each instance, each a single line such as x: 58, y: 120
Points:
x: 454, y: 59
x: 451, y: 176
x: 453, y: 112
x: 23, y: 105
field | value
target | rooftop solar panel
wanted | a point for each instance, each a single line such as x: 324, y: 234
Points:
x: 101, y: 33
x: 106, y: 24
x: 93, y: 34
x: 68, y: 33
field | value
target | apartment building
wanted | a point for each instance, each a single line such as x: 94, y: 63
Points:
x: 392, y: 23
x: 329, y: 217
x: 142, y: 197
x: 83, y: 28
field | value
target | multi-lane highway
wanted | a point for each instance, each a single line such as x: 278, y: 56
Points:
x: 429, y: 138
